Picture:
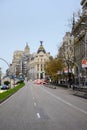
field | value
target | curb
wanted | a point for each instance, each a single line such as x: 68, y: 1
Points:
x: 80, y: 94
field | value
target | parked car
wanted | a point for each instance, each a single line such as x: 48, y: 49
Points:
x: 4, y: 86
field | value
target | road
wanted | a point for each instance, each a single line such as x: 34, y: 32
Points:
x: 36, y: 107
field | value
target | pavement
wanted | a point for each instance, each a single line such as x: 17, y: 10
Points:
x: 80, y: 94
x: 75, y: 92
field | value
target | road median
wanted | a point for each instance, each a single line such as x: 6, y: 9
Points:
x: 9, y: 92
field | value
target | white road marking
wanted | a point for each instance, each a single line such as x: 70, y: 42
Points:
x: 67, y: 103
x: 38, y: 115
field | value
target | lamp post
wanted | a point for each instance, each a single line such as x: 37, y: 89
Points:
x: 0, y: 69
x: 0, y: 75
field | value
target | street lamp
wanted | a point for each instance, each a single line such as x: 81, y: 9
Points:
x: 0, y: 75
x: 0, y: 69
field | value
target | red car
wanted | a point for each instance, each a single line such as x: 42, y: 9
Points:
x: 40, y: 81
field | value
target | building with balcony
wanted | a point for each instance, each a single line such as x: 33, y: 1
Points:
x: 66, y: 54
x: 20, y: 60
x: 79, y: 31
x: 37, y: 63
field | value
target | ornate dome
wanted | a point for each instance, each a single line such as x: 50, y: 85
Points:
x: 41, y: 48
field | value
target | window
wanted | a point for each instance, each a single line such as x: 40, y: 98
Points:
x: 37, y: 67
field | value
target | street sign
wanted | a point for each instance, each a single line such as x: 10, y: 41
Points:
x: 84, y: 63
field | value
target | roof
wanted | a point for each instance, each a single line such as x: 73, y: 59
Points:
x: 41, y: 48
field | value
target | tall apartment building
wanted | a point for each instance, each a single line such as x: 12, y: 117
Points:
x: 19, y: 62
x: 79, y: 31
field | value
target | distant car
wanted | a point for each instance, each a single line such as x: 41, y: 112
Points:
x: 43, y: 81
x: 21, y: 78
x: 40, y: 81
x: 37, y: 81
x: 4, y: 86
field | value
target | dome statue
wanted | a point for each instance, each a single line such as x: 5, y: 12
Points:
x: 41, y: 48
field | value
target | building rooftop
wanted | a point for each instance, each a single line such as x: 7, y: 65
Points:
x: 41, y: 48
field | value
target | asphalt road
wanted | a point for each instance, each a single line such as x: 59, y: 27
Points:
x: 35, y: 107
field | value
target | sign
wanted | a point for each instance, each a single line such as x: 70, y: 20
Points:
x: 84, y: 63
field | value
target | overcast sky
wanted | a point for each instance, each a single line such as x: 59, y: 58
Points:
x: 30, y: 21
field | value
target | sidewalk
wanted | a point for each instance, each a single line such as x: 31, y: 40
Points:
x: 78, y: 93
x: 82, y: 92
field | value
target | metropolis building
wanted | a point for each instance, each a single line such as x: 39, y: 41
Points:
x: 37, y: 63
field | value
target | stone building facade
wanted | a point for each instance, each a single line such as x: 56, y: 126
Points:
x: 79, y: 31
x: 37, y: 62
x: 19, y: 62
x: 74, y: 46
x: 66, y: 51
